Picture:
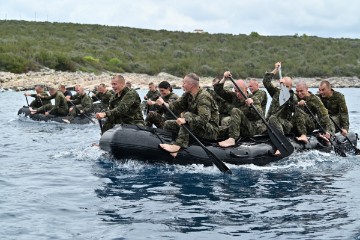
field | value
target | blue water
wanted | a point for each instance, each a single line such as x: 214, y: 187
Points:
x: 54, y: 185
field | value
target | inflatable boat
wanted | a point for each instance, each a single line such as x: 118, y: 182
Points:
x: 142, y: 143
x: 24, y: 111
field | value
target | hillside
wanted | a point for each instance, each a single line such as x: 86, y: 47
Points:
x: 30, y: 46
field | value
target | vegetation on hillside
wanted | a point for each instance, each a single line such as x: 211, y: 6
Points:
x: 30, y: 46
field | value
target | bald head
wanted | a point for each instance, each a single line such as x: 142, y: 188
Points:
x: 302, y: 90
x: 287, y: 81
x: 118, y: 83
x: 242, y: 85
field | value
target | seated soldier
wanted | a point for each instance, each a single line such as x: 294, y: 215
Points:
x: 159, y: 116
x: 124, y: 106
x: 280, y: 117
x: 334, y: 102
x: 152, y: 95
x: 244, y: 121
x: 82, y: 104
x: 66, y: 93
x: 199, y: 111
x: 103, y: 95
x: 38, y: 102
x: 59, y: 109
x: 304, y: 122
x: 258, y: 93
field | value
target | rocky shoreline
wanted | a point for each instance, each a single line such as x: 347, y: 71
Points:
x: 26, y: 81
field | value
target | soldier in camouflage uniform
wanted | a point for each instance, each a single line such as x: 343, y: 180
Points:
x: 244, y: 121
x: 258, y: 93
x: 38, y: 102
x: 199, y: 111
x: 103, y: 95
x: 152, y: 95
x: 82, y: 104
x: 124, y: 106
x: 335, y: 103
x: 59, y: 109
x: 280, y: 117
x: 159, y: 116
x: 304, y: 122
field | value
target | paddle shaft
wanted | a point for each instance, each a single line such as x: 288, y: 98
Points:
x: 218, y: 163
x: 337, y: 150
x: 83, y: 113
x: 357, y: 151
x: 281, y: 142
x: 27, y: 101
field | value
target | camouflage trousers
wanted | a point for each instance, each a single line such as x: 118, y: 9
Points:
x: 283, y: 125
x: 209, y: 132
x: 332, y: 125
x: 49, y: 106
x: 110, y: 124
x: 154, y: 118
x: 240, y: 125
x: 303, y: 122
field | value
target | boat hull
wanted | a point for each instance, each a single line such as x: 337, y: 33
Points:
x: 142, y: 143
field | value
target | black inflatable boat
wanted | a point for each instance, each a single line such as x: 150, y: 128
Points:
x: 24, y: 111
x: 142, y: 143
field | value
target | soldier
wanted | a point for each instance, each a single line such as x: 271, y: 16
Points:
x: 335, y: 103
x: 59, y: 109
x: 258, y: 93
x: 199, y: 111
x: 66, y: 93
x: 37, y: 102
x: 128, y: 84
x: 244, y: 121
x: 103, y: 95
x: 159, y: 116
x: 273, y: 91
x: 152, y: 95
x: 303, y: 121
x: 81, y: 105
x: 124, y: 106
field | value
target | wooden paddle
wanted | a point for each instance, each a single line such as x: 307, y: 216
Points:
x: 357, y: 151
x: 277, y: 138
x: 218, y: 163
x: 336, y: 148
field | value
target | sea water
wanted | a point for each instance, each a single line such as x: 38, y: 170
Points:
x: 55, y: 185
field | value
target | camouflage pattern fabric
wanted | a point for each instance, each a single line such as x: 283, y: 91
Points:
x: 59, y: 109
x: 274, y: 92
x: 201, y: 114
x: 159, y: 116
x: 104, y: 98
x: 262, y: 96
x: 304, y: 123
x: 38, y: 102
x: 337, y: 109
x: 84, y: 103
x: 124, y: 109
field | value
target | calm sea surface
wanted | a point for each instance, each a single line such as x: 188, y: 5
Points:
x: 54, y: 185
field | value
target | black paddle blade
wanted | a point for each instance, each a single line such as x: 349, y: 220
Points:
x: 280, y: 141
x: 357, y: 151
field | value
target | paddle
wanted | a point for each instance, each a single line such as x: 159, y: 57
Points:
x: 276, y: 137
x: 218, y: 163
x: 27, y: 101
x: 82, y: 113
x: 284, y: 91
x: 357, y: 151
x: 336, y: 148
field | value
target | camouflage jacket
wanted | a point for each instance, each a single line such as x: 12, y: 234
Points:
x: 202, y: 107
x: 274, y: 93
x: 83, y: 102
x: 172, y: 97
x: 152, y: 95
x: 38, y: 102
x: 336, y: 106
x: 104, y: 98
x: 125, y: 108
x: 60, y: 102
x: 318, y: 109
x: 262, y: 96
x: 231, y: 97
x: 224, y: 106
